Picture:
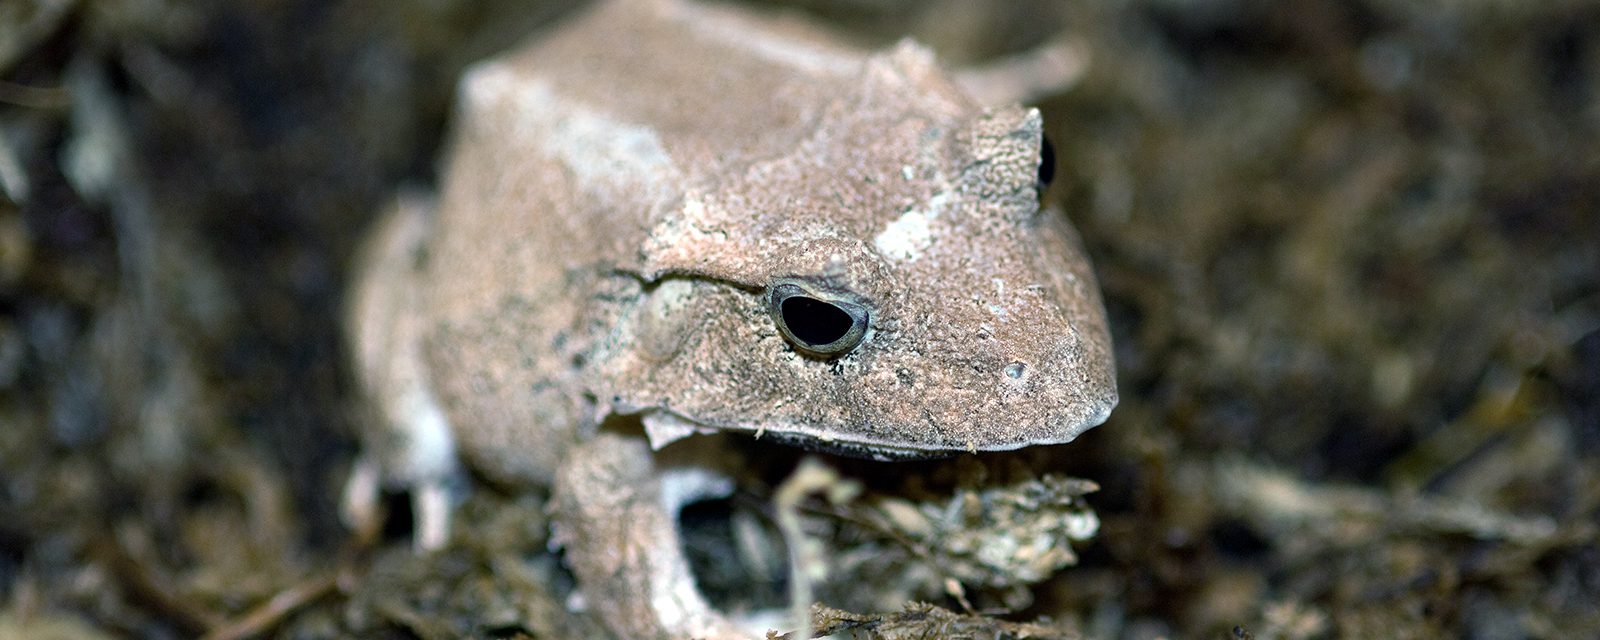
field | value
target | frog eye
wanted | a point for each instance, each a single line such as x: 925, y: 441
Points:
x: 1047, y: 161
x: 816, y: 324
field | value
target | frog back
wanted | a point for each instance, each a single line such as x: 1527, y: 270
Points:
x: 566, y: 155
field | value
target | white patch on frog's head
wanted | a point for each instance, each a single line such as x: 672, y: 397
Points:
x: 600, y: 150
x: 905, y: 238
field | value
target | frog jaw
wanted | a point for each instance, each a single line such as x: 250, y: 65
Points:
x: 663, y: 427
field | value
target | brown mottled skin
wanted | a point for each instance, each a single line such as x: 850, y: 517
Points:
x: 618, y: 198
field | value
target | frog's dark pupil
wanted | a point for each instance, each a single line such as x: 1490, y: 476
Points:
x: 815, y: 322
x: 1047, y: 161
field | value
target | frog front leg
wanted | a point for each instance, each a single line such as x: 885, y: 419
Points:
x: 406, y: 438
x: 615, y: 512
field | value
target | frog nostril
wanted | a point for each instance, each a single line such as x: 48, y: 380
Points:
x: 1016, y: 370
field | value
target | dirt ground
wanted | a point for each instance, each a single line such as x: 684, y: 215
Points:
x: 1350, y: 250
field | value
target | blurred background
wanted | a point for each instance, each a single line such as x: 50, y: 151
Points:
x: 1350, y: 249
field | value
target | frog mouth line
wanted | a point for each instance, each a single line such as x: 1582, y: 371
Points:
x: 663, y: 427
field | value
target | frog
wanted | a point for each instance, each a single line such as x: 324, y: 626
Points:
x: 663, y: 220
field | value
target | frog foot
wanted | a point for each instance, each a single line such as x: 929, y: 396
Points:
x: 432, y: 500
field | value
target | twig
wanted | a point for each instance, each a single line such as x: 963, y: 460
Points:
x: 812, y: 476
x: 145, y: 584
x: 273, y: 611
x: 22, y: 95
